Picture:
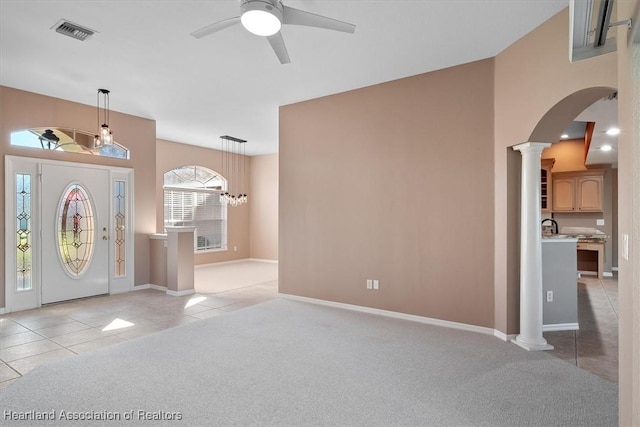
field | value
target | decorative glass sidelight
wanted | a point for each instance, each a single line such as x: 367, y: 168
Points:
x: 23, y: 231
x: 120, y: 227
x: 75, y: 230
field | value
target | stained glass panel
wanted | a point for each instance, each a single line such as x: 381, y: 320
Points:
x: 120, y: 227
x: 23, y: 227
x: 76, y: 230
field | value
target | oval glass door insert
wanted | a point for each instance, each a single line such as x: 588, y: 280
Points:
x: 76, y: 230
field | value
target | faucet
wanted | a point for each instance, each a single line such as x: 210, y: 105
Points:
x: 554, y: 222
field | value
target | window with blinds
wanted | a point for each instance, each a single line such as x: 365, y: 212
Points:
x: 192, y: 198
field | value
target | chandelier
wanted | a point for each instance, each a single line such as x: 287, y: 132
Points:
x: 233, y: 170
x: 104, y: 136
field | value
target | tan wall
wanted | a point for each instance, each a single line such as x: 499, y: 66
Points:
x: 21, y: 110
x: 629, y: 217
x: 569, y: 155
x: 393, y: 182
x: 531, y: 77
x: 171, y: 155
x: 263, y: 207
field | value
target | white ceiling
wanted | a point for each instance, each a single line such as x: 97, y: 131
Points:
x: 231, y: 83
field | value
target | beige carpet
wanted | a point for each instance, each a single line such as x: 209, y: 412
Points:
x: 288, y: 363
x: 216, y: 278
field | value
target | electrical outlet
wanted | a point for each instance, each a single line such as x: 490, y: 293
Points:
x: 376, y: 284
x: 235, y: 249
x: 600, y: 222
x: 369, y: 284
x: 549, y: 296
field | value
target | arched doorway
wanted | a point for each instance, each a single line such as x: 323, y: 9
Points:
x: 548, y: 130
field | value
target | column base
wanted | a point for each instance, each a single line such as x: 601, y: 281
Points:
x: 544, y: 345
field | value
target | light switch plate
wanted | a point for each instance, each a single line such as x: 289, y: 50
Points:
x: 625, y: 247
x: 600, y: 221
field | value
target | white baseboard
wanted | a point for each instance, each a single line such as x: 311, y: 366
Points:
x: 180, y: 293
x: 607, y: 273
x: 235, y: 261
x: 561, y: 327
x: 504, y: 337
x: 587, y: 273
x: 2, y: 311
x: 268, y: 261
x: 211, y: 264
x: 393, y: 314
x: 149, y: 286
x: 164, y: 289
x: 614, y: 268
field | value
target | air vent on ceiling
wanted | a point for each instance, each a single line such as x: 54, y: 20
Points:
x: 72, y: 30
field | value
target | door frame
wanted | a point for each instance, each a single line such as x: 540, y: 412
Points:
x: 26, y: 299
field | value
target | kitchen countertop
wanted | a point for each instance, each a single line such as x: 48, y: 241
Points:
x: 559, y: 238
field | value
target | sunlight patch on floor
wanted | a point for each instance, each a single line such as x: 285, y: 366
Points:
x: 117, y: 324
x: 194, y: 301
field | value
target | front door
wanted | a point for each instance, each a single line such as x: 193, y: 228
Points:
x: 75, y: 220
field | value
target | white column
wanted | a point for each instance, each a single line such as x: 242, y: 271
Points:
x: 530, y: 337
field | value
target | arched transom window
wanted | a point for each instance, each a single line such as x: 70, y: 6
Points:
x: 192, y: 198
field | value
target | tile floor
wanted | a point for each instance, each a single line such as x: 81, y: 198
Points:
x: 33, y: 337
x: 595, y: 346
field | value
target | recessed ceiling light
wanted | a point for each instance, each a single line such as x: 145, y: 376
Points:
x: 564, y: 136
x: 606, y: 148
x: 613, y: 131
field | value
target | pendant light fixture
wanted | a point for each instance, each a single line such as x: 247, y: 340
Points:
x: 233, y: 170
x: 104, y: 136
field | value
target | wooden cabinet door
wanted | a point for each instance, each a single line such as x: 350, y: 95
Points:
x: 563, y: 194
x: 589, y: 193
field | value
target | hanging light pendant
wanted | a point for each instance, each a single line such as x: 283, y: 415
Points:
x: 104, y: 136
x: 233, y: 170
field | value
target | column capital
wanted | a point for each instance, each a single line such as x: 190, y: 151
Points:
x: 531, y: 146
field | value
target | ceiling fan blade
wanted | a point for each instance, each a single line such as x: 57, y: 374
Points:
x: 300, y: 17
x: 215, y: 27
x: 277, y: 44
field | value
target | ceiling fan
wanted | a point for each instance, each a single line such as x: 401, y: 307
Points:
x: 265, y: 17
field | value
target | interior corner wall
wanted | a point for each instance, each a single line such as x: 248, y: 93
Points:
x: 263, y: 207
x: 393, y: 182
x: 21, y: 110
x: 531, y: 76
x: 171, y: 155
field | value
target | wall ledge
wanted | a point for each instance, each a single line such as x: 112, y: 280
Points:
x: 394, y: 314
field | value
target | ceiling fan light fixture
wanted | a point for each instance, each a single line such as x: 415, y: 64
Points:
x: 261, y: 18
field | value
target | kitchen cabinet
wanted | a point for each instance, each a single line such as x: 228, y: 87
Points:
x: 545, y: 184
x: 578, y: 191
